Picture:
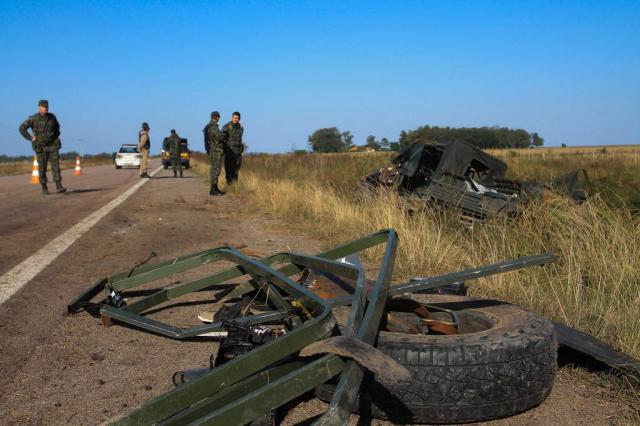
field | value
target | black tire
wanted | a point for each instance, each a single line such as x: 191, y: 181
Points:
x: 118, y: 167
x: 507, y: 368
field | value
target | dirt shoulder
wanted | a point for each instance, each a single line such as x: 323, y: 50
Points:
x: 60, y: 369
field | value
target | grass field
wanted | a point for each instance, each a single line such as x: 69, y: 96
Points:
x: 25, y: 167
x: 595, y: 285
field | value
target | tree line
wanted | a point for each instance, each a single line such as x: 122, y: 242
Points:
x: 333, y: 140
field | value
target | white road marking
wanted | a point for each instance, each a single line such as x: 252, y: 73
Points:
x: 25, y: 271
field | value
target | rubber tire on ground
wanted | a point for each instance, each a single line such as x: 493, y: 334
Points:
x: 503, y: 370
x: 118, y: 167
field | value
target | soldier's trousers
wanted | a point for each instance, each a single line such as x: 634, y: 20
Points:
x: 144, y: 161
x: 176, y: 165
x: 44, y: 158
x: 232, y: 164
x: 215, y: 155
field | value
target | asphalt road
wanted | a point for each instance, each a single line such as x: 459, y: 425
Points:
x: 30, y: 220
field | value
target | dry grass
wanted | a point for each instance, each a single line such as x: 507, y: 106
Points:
x: 595, y: 285
x: 25, y: 167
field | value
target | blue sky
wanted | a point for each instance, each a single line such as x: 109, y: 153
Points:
x: 567, y: 70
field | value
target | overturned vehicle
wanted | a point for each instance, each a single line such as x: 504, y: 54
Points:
x: 459, y: 175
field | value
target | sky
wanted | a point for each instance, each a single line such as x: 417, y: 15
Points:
x: 569, y: 70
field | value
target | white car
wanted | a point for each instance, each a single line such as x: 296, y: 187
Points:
x: 128, y: 156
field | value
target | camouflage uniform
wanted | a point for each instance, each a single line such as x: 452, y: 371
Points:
x: 175, y: 148
x: 233, y: 148
x: 214, y: 146
x: 46, y: 130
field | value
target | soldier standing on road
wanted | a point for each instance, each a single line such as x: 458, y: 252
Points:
x: 45, y: 141
x: 175, y: 148
x: 233, y: 147
x: 213, y: 144
x: 144, y: 145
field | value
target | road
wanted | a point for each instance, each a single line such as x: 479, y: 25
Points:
x: 59, y: 369
x: 30, y: 220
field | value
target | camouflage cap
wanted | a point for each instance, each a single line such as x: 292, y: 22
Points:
x: 43, y: 102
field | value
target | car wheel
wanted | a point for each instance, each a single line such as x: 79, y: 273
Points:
x: 502, y: 362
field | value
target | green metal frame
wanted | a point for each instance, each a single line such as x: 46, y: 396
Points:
x: 239, y: 391
x: 133, y: 314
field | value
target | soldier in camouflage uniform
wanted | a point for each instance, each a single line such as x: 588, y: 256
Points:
x: 45, y: 141
x: 213, y: 144
x: 175, y: 148
x: 233, y: 147
x: 144, y: 145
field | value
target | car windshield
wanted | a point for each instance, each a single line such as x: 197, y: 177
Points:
x: 129, y: 149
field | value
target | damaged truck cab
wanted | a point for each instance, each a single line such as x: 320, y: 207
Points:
x: 462, y: 176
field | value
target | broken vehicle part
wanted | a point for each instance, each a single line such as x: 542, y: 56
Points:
x: 234, y: 376
x: 502, y: 362
x: 462, y: 176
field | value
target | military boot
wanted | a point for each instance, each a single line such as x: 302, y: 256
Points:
x: 180, y: 173
x: 45, y: 190
x: 175, y: 175
x: 215, y: 191
x: 59, y: 187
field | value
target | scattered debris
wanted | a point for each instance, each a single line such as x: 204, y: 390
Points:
x: 459, y: 175
x: 301, y: 323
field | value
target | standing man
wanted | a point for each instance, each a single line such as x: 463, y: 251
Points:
x: 144, y: 144
x: 233, y: 147
x: 45, y: 142
x: 175, y: 148
x: 213, y: 144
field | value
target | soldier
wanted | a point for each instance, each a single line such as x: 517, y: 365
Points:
x: 175, y: 148
x: 233, y: 147
x: 213, y: 144
x: 45, y: 141
x: 144, y: 145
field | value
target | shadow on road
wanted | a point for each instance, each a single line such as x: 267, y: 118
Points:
x: 171, y: 177
x: 82, y: 191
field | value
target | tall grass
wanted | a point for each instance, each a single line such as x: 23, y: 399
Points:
x: 595, y: 285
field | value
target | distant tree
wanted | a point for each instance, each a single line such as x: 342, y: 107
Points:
x: 564, y: 145
x: 330, y: 140
x: 373, y: 143
x: 536, y: 140
x: 347, y: 139
x: 482, y: 137
x: 394, y: 146
x: 384, y: 143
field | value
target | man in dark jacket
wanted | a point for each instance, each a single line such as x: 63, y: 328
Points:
x: 233, y: 147
x: 45, y: 141
x: 175, y: 148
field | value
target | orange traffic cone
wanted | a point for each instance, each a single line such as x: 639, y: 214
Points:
x: 35, y: 173
x: 78, y: 170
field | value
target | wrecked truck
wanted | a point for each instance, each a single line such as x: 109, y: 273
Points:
x: 462, y: 176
